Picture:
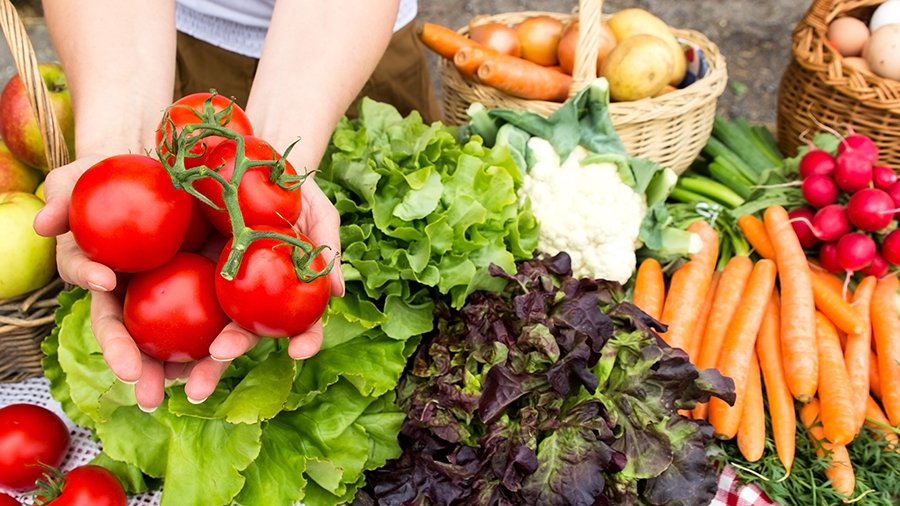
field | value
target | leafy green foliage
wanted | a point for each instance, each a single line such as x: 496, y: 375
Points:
x: 554, y: 392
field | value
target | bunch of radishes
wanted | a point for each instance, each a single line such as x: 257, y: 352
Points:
x: 852, y: 199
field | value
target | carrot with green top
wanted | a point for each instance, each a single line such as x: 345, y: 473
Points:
x: 688, y: 287
x: 781, y: 402
x: 876, y: 419
x: 739, y: 346
x: 886, y: 330
x: 798, y: 309
x: 840, y: 469
x: 726, y: 298
x: 858, y: 349
x: 835, y: 307
x: 836, y: 398
x: 650, y: 288
x: 693, y: 346
x: 754, y: 231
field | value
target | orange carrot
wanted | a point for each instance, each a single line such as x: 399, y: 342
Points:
x: 693, y: 346
x: 469, y: 58
x: 751, y: 434
x: 840, y: 470
x: 835, y: 394
x: 755, y: 232
x: 650, y: 288
x: 829, y: 279
x: 726, y: 298
x: 874, y: 376
x: 798, y: 320
x: 886, y: 330
x: 835, y: 307
x: 876, y: 419
x: 688, y: 287
x: 781, y: 403
x: 443, y: 40
x: 524, y: 79
x: 858, y: 349
x: 739, y: 345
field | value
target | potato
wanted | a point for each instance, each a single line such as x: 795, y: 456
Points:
x: 632, y: 21
x: 638, y: 67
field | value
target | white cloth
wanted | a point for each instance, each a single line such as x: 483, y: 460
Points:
x: 240, y: 25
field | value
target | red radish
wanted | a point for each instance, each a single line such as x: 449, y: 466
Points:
x: 894, y: 192
x: 860, y: 144
x: 831, y: 223
x: 870, y: 209
x: 816, y: 162
x: 853, y: 171
x: 883, y: 177
x: 878, y: 268
x: 855, y: 251
x: 820, y: 190
x: 828, y: 257
x: 890, y: 247
x: 802, y: 228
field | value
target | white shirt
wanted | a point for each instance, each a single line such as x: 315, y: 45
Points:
x: 240, y: 25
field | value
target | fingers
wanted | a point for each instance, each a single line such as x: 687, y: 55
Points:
x: 53, y: 218
x: 76, y: 268
x: 203, y: 379
x: 307, y: 344
x: 321, y: 222
x: 231, y: 343
x: 119, y: 350
x: 149, y: 391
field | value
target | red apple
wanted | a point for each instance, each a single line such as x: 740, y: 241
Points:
x: 15, y: 176
x: 18, y: 124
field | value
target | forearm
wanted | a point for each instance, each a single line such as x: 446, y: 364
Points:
x: 119, y: 59
x: 316, y: 58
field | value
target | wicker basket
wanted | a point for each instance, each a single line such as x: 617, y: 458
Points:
x: 670, y: 129
x: 27, y: 319
x: 817, y: 89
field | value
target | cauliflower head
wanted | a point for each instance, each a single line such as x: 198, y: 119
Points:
x: 585, y: 210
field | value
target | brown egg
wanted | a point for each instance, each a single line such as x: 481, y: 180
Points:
x: 848, y: 35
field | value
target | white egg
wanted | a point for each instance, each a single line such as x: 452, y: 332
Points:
x: 887, y: 13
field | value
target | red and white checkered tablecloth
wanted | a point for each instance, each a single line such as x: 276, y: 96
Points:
x: 733, y: 493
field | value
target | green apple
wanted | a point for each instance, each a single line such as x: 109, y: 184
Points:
x: 18, y: 123
x: 15, y: 176
x: 29, y: 260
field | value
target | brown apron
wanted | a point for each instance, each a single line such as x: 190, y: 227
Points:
x: 400, y: 79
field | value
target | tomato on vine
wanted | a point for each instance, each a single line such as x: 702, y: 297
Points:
x: 126, y: 213
x: 172, y: 311
x: 262, y: 201
x: 266, y: 295
x: 31, y: 436
x: 184, y: 111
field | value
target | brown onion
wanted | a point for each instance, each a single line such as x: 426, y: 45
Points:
x: 539, y: 38
x: 497, y: 36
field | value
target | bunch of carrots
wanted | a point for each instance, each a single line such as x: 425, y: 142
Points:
x: 510, y: 74
x: 780, y: 322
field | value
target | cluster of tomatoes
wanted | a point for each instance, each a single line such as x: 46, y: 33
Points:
x: 34, y: 442
x: 203, y: 234
x: 853, y: 201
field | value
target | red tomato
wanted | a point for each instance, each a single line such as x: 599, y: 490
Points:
x: 8, y: 500
x: 125, y: 213
x: 30, y: 435
x: 262, y: 201
x: 172, y: 311
x: 90, y: 485
x: 183, y: 112
x: 266, y: 297
x: 198, y: 229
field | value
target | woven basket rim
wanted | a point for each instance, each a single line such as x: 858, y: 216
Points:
x: 812, y: 52
x: 678, y: 102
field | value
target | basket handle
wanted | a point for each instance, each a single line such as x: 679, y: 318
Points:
x: 27, y: 66
x: 590, y: 18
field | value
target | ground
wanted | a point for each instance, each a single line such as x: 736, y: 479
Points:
x: 753, y: 35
